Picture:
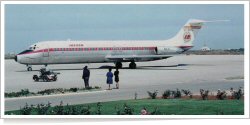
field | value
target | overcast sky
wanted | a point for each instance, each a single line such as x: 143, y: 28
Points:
x: 28, y: 24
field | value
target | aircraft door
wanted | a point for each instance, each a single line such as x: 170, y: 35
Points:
x: 46, y: 52
x: 117, y: 51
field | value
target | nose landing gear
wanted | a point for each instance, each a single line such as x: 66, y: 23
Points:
x: 29, y: 68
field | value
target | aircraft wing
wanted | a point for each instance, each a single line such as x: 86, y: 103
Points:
x: 136, y: 57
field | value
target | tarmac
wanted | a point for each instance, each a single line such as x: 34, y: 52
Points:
x: 193, y: 72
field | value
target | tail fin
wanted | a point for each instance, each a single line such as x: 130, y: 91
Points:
x: 187, y: 34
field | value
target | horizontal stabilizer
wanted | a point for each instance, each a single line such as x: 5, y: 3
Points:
x: 206, y: 21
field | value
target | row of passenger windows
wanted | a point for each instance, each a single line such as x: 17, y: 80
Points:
x: 100, y: 49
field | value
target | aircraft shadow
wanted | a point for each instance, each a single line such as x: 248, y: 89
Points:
x: 146, y: 68
x: 107, y: 67
x: 168, y: 65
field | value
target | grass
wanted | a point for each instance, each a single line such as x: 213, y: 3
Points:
x: 166, y: 107
x: 26, y: 92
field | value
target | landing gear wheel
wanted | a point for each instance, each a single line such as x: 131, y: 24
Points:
x: 118, y: 65
x: 35, y: 78
x: 29, y: 69
x: 132, y: 65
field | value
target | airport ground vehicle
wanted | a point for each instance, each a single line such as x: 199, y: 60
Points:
x: 46, y: 76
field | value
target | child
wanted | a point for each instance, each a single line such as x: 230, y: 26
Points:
x: 109, y: 78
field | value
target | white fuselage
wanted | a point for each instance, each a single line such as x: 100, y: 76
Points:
x: 66, y: 52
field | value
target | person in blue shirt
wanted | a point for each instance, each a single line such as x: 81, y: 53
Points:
x: 109, y: 78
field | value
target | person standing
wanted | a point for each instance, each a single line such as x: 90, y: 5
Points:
x: 85, y: 76
x: 116, y: 74
x: 109, y: 78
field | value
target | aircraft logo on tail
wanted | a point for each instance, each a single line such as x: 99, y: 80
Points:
x: 187, y: 36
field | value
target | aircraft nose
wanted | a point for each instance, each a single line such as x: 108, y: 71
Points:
x: 15, y: 58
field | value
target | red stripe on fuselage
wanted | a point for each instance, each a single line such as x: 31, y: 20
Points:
x: 89, y: 49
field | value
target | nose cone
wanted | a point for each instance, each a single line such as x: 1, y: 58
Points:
x: 15, y: 58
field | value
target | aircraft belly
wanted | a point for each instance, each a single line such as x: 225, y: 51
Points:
x: 76, y: 57
x: 63, y: 57
x: 132, y: 53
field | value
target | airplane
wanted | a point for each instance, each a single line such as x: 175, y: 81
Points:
x: 73, y: 52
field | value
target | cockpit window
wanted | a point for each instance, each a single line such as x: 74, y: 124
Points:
x: 25, y: 51
x: 33, y: 47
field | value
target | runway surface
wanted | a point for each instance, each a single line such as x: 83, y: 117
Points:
x: 192, y: 72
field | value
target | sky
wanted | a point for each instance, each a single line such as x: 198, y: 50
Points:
x: 31, y: 23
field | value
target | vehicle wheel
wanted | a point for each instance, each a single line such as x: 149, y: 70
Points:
x: 29, y: 69
x: 46, y: 79
x: 35, y: 78
x: 55, y: 78
x: 118, y: 65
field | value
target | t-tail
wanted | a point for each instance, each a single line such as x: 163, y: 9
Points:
x: 186, y: 36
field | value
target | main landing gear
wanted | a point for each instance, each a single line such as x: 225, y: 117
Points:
x: 132, y: 65
x: 118, y: 65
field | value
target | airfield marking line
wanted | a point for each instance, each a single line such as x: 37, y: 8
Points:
x: 53, y: 95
